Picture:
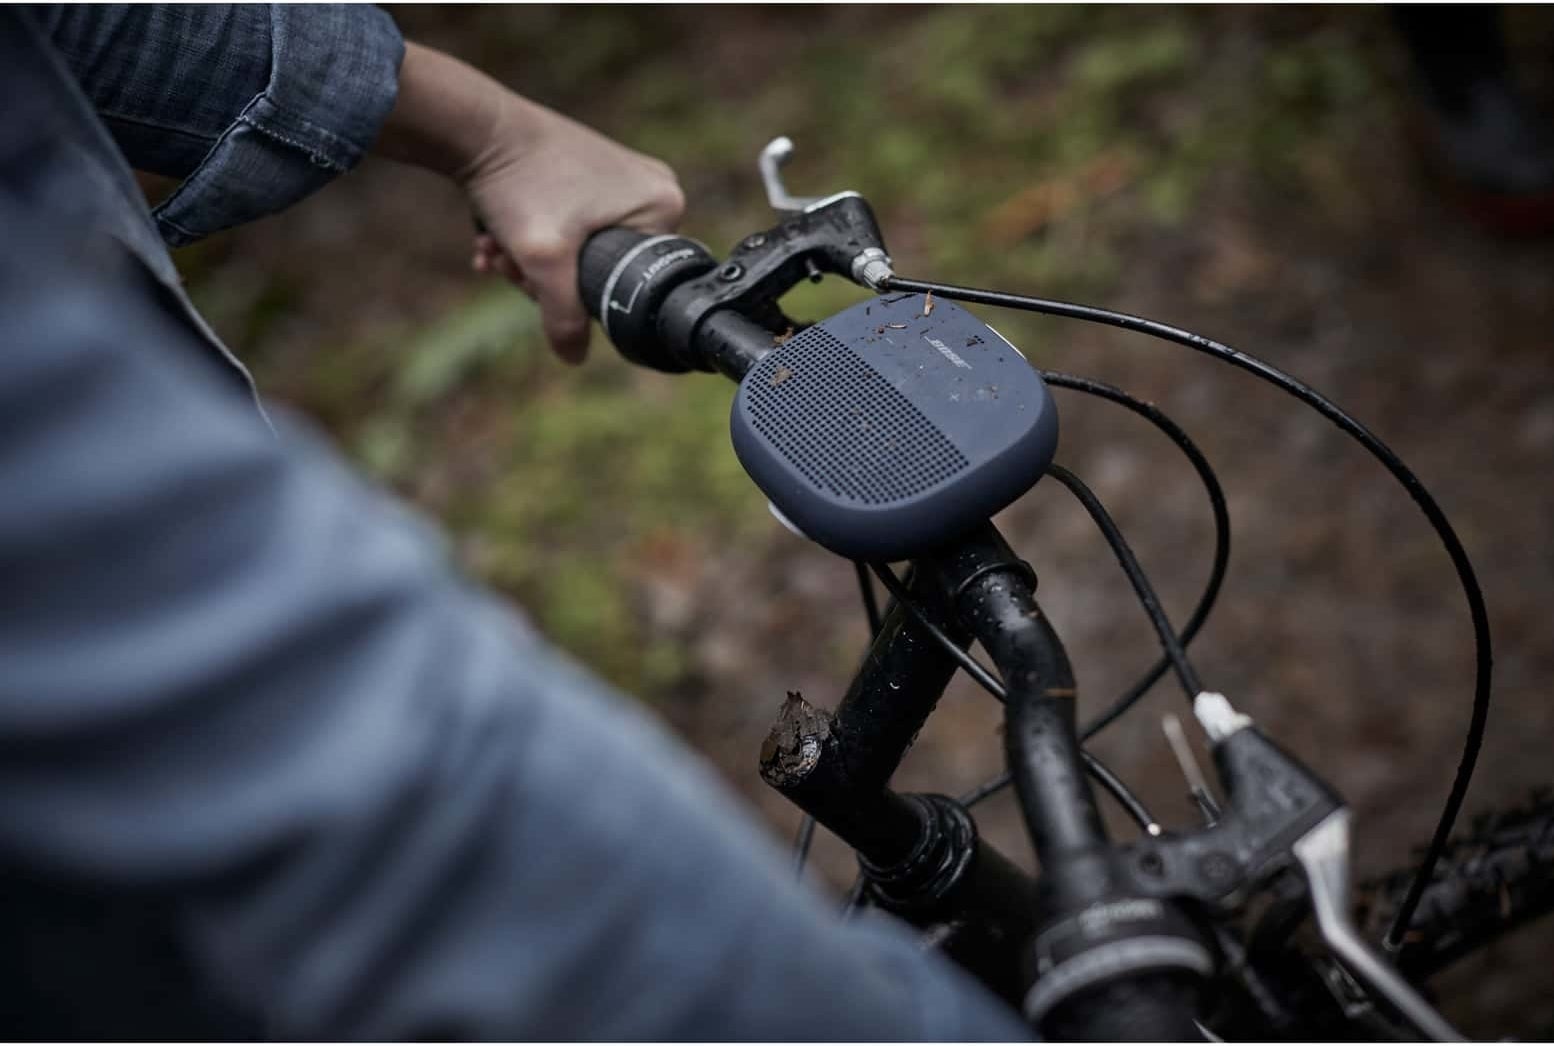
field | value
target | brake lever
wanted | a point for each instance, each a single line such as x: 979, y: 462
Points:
x: 836, y: 234
x: 1279, y: 815
x: 773, y: 158
x: 1272, y: 801
x: 1323, y: 854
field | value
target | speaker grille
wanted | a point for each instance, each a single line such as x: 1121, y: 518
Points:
x: 843, y: 426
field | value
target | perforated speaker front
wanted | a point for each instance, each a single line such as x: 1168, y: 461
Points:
x: 842, y: 425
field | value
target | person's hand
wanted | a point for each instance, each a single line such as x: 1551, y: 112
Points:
x: 540, y: 183
x: 545, y: 186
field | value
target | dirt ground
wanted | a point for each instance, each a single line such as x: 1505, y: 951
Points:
x: 1340, y: 626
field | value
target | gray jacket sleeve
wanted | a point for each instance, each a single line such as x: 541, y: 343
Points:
x: 253, y: 106
x: 269, y: 767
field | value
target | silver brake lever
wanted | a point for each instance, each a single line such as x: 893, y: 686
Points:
x: 778, y: 152
x: 871, y: 267
x: 1323, y: 854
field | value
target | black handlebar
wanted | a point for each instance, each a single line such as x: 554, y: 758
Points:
x: 652, y: 294
x: 628, y: 279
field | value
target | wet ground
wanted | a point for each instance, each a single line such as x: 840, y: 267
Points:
x: 1340, y: 627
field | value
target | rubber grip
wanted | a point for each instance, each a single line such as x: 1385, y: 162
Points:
x: 598, y: 258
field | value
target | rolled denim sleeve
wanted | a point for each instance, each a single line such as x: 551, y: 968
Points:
x: 252, y: 106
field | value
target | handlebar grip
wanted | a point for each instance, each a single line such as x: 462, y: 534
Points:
x: 624, y: 278
x: 602, y: 252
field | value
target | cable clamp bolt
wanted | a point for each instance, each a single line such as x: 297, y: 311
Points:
x: 872, y: 268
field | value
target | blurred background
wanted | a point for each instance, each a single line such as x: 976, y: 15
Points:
x: 1251, y: 173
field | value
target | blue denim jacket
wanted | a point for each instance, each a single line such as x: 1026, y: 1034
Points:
x: 252, y: 106
x: 268, y: 766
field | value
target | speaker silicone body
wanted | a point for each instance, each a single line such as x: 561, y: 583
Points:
x: 888, y: 429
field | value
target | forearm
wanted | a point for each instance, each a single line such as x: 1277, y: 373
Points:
x: 539, y: 182
x: 449, y: 116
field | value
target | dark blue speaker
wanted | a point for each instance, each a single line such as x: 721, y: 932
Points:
x: 893, y: 426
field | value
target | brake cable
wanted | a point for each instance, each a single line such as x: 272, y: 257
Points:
x: 1185, y: 673
x: 1221, y: 512
x: 1200, y: 614
x: 871, y: 607
x: 1176, y: 655
x: 1483, y: 656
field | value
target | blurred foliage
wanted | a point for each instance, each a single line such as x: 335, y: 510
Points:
x: 1028, y: 147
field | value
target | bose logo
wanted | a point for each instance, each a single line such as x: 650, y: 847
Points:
x: 947, y: 352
